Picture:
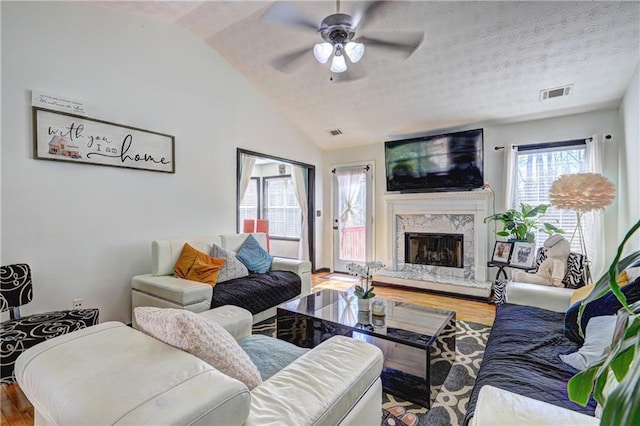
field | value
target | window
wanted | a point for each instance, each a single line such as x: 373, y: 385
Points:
x: 249, y: 207
x: 281, y: 207
x: 537, y: 169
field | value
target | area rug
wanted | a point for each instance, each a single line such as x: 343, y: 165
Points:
x: 338, y: 285
x: 451, y: 402
x: 340, y: 277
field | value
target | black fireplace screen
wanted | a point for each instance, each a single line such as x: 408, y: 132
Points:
x: 434, y: 249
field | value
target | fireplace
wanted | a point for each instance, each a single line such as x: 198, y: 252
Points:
x: 455, y: 221
x: 434, y: 249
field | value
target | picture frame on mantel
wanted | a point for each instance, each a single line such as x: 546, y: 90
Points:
x: 61, y: 136
x: 502, y: 252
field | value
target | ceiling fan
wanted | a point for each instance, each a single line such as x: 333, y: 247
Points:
x: 338, y: 33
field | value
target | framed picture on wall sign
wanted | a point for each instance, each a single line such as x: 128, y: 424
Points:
x: 502, y: 251
x: 74, y: 138
x: 523, y: 255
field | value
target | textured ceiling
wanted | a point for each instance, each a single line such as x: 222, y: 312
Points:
x: 480, y: 62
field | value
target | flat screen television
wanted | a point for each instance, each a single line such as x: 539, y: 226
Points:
x: 447, y: 162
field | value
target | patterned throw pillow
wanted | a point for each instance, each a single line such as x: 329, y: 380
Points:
x: 197, y: 266
x: 254, y: 257
x: 232, y: 268
x: 574, y: 277
x: 203, y: 338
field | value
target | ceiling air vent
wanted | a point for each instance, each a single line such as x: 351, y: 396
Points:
x: 556, y: 92
x: 335, y: 132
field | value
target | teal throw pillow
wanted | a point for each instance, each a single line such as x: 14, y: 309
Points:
x: 270, y: 354
x: 254, y: 257
x: 232, y: 267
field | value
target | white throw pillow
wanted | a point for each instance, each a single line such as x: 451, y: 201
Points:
x: 597, y: 337
x: 201, y: 337
x: 232, y: 267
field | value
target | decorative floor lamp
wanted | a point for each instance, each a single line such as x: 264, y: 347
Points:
x: 582, y: 193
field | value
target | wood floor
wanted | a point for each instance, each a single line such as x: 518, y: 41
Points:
x: 17, y: 411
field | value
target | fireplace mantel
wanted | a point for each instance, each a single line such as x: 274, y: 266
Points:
x: 481, y: 195
x: 433, y: 212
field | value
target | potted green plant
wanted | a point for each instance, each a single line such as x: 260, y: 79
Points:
x: 622, y: 406
x: 520, y: 224
x: 364, y: 291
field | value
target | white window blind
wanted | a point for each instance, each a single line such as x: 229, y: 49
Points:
x: 537, y: 169
x: 281, y: 207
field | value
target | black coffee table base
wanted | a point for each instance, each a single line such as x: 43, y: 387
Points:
x: 412, y: 372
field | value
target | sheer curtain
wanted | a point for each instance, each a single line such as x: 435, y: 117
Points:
x: 593, y: 221
x: 511, y: 172
x: 246, y: 169
x: 349, y: 181
x: 298, y: 176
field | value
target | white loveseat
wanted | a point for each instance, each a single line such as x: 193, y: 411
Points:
x: 161, y: 289
x: 112, y: 374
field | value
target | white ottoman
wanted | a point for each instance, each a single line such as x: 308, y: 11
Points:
x: 234, y: 319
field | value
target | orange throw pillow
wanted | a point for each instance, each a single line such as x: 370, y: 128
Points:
x: 195, y: 265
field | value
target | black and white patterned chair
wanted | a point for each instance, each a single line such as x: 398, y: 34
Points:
x: 574, y: 277
x: 19, y: 334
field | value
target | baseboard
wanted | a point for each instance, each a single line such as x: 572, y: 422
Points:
x: 430, y: 291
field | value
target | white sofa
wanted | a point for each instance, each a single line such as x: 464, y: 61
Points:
x: 161, y: 289
x: 499, y: 407
x: 114, y: 374
x: 556, y: 299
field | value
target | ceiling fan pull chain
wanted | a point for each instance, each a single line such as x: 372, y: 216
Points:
x: 337, y: 6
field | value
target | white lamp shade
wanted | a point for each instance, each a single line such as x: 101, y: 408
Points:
x: 338, y: 64
x: 354, y: 51
x: 322, y: 52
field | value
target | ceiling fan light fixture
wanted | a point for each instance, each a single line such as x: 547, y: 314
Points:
x: 322, y: 52
x: 354, y: 51
x: 338, y: 64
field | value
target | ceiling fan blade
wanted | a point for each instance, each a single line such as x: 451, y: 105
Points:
x: 351, y: 74
x: 287, y: 14
x: 362, y: 14
x: 291, y: 61
x: 409, y: 43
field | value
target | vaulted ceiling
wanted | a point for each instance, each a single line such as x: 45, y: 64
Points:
x: 480, y: 63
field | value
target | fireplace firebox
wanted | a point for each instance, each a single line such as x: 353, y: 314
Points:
x: 422, y: 248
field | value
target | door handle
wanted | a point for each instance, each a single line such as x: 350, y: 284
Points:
x: 335, y: 227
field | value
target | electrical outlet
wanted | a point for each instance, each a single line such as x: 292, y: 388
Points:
x: 78, y: 303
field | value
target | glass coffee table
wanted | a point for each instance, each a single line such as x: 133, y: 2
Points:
x: 418, y: 343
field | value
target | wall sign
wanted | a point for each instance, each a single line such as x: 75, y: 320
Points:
x: 58, y: 103
x: 73, y: 138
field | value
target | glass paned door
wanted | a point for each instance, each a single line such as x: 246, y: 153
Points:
x: 352, y: 215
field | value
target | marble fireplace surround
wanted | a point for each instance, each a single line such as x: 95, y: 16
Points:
x: 442, y: 212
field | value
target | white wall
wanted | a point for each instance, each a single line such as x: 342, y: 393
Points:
x: 629, y: 187
x: 556, y: 129
x: 86, y: 230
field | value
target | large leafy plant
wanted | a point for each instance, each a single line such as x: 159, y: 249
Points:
x: 622, y: 406
x: 520, y: 224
